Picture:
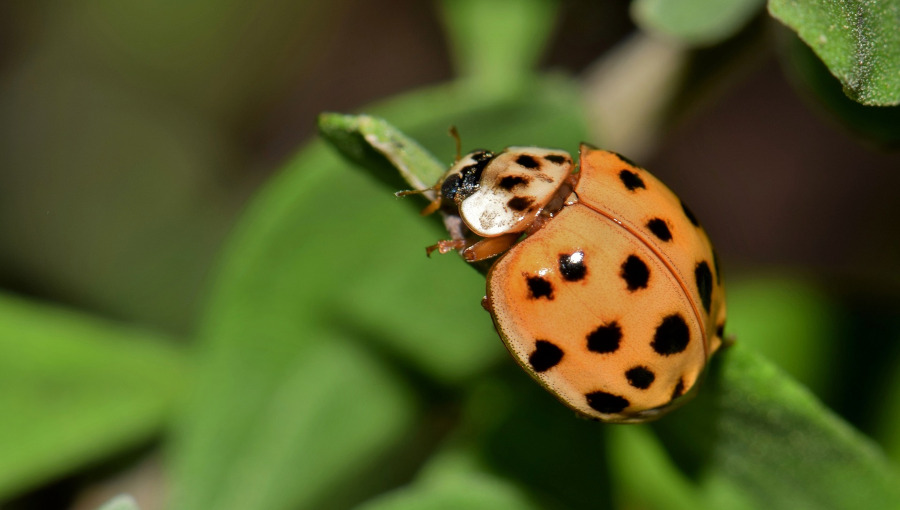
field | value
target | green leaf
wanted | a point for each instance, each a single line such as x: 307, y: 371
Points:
x: 790, y: 321
x: 754, y: 432
x: 289, y: 405
x: 325, y: 309
x: 496, y: 44
x: 454, y: 480
x: 857, y: 39
x: 381, y: 148
x: 291, y: 438
x: 636, y: 455
x: 889, y: 414
x: 524, y: 434
x: 694, y: 22
x: 880, y: 124
x: 76, y: 389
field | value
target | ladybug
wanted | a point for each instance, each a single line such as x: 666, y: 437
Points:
x: 605, y: 289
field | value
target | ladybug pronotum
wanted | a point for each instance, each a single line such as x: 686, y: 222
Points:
x: 606, y: 290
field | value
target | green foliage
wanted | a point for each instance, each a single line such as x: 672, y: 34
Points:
x: 694, y: 22
x: 75, y: 389
x: 497, y: 43
x: 454, y: 480
x: 791, y: 322
x: 758, y: 431
x: 857, y: 39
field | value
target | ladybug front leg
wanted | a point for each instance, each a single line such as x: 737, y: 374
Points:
x: 446, y: 246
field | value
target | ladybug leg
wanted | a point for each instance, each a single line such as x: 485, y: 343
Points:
x: 432, y: 206
x: 446, y: 246
x: 490, y: 247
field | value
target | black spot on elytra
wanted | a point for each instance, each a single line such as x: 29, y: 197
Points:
x: 571, y: 266
x: 704, y: 279
x: 555, y: 158
x: 511, y: 181
x: 635, y: 273
x: 720, y: 330
x: 689, y: 214
x: 626, y: 160
x: 679, y: 389
x: 672, y: 335
x: 528, y: 161
x: 520, y: 203
x: 606, y: 403
x: 539, y: 287
x: 545, y: 356
x: 640, y: 377
x: 660, y: 229
x: 605, y: 339
x: 631, y: 180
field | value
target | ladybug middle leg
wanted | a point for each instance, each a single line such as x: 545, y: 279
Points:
x: 490, y: 247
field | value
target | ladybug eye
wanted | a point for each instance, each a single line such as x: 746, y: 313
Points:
x: 450, y: 187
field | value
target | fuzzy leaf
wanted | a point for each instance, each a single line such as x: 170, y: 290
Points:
x: 880, y: 124
x: 382, y: 148
x: 858, y: 40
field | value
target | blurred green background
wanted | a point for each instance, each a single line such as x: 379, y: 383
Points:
x: 206, y: 308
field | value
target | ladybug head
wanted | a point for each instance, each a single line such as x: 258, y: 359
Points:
x: 464, y: 176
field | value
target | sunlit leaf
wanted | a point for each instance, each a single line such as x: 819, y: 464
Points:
x: 382, y: 148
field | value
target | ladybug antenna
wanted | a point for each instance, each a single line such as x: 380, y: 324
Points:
x: 408, y: 192
x: 432, y: 206
x: 455, y: 134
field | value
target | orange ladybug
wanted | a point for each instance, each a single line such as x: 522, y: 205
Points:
x: 606, y: 291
